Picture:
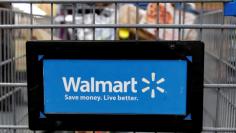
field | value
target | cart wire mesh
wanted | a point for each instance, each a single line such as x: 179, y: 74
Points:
x: 209, y: 25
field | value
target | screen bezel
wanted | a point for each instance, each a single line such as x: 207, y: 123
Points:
x: 115, y: 50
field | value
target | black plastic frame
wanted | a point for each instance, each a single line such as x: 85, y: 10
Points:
x: 116, y: 50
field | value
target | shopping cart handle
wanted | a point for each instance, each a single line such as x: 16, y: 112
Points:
x: 230, y: 8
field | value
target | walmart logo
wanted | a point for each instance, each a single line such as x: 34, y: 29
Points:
x: 78, y: 84
x: 153, y: 88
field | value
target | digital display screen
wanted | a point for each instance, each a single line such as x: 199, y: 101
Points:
x: 83, y: 86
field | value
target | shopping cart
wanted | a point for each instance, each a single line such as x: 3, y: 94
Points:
x: 217, y: 31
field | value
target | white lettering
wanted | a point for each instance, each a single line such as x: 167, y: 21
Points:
x: 103, y: 84
x: 99, y: 86
x: 117, y: 86
x: 126, y: 83
x: 71, y: 82
x: 133, y: 83
x: 84, y: 86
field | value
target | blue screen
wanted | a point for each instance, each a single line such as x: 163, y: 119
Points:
x: 115, y: 86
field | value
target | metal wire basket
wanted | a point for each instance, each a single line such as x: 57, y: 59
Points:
x: 217, y: 31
